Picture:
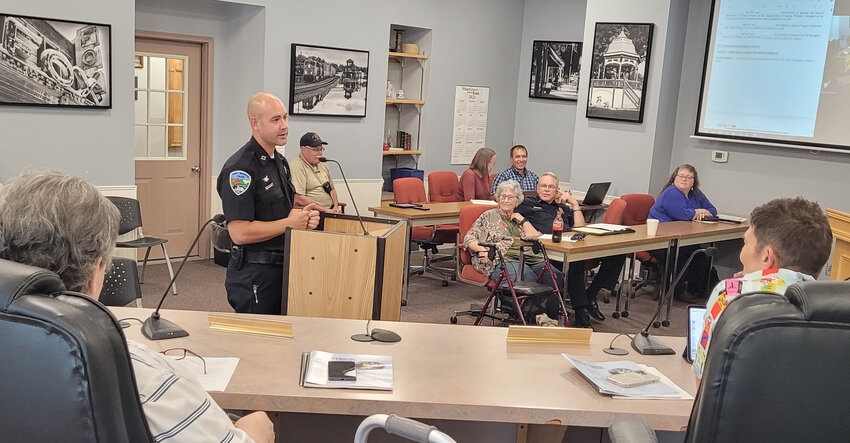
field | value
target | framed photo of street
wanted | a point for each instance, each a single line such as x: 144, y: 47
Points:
x: 555, y: 70
x: 328, y: 81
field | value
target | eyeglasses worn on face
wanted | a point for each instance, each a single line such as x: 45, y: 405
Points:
x: 319, y: 149
x: 547, y: 186
x: 686, y: 177
x: 507, y: 197
x: 181, y: 353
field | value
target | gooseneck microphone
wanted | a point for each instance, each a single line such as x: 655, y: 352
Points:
x: 158, y: 328
x: 644, y: 342
x: 360, y: 219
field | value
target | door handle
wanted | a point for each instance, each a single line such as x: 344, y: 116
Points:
x: 196, y: 168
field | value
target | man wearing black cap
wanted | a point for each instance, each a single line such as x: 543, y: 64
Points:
x: 257, y: 197
x: 311, y: 177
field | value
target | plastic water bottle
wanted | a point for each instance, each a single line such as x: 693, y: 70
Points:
x: 557, y: 228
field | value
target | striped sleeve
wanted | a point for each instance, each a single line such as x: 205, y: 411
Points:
x: 176, y: 406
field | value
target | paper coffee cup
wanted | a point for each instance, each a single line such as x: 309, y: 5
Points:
x: 651, y: 227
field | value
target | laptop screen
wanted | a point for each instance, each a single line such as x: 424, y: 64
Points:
x: 596, y: 193
x: 696, y: 315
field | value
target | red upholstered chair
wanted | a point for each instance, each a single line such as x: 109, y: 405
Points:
x: 412, y: 190
x: 465, y: 271
x: 442, y: 186
x: 636, y: 213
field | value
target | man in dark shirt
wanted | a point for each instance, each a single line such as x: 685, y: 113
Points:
x: 540, y: 211
x: 257, y: 197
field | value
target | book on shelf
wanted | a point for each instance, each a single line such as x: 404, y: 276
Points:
x: 404, y: 139
x: 322, y: 370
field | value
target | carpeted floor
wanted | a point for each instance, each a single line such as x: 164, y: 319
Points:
x: 201, y: 287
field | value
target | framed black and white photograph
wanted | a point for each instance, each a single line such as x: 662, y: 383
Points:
x: 618, y: 71
x: 554, y: 70
x: 328, y: 81
x: 51, y: 62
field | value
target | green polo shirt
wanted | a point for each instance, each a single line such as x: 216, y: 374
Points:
x: 308, y: 180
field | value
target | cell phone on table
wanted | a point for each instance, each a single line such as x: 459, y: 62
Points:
x: 341, y: 371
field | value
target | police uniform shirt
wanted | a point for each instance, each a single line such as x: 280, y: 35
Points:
x: 541, y: 214
x: 253, y: 186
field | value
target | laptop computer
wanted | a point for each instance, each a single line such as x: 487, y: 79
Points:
x: 696, y: 315
x: 595, y: 194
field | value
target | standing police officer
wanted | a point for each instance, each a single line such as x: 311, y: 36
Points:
x: 257, y: 196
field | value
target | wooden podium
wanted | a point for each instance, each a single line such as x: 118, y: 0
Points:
x: 339, y: 272
x: 840, y: 224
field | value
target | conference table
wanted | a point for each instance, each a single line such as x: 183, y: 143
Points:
x: 444, y: 372
x: 670, y: 236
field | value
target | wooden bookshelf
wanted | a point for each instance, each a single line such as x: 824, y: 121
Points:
x: 405, y: 55
x: 398, y: 101
x: 392, y: 152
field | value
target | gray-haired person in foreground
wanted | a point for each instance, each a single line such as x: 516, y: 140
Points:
x: 63, y: 224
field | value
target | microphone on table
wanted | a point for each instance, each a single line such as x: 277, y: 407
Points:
x: 644, y: 342
x: 158, y: 328
x: 382, y: 335
x: 360, y: 219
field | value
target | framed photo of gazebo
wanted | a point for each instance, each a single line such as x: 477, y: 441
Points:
x: 554, y: 70
x: 618, y: 71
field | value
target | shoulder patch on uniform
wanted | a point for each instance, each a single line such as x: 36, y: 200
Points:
x: 239, y: 182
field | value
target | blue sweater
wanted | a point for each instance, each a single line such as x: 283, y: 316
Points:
x: 673, y: 205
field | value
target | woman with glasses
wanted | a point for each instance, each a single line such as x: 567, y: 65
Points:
x: 502, y: 226
x: 682, y: 200
x: 475, y: 181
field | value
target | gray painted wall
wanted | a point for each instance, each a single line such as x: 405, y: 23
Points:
x: 754, y: 174
x: 546, y: 127
x: 94, y: 144
x: 474, y: 42
x: 621, y: 151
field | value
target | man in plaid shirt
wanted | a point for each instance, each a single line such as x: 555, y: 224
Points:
x: 527, y: 180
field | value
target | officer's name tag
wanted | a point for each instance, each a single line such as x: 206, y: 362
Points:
x: 268, y: 186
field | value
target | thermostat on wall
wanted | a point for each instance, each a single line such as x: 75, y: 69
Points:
x: 719, y: 156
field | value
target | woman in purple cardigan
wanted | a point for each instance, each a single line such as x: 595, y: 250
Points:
x: 682, y: 200
x: 475, y: 181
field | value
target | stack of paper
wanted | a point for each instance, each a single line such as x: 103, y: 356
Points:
x: 597, y: 373
x: 602, y: 229
x: 371, y: 371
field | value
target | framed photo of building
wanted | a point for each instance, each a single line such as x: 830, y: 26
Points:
x: 328, y: 81
x: 555, y: 69
x: 618, y: 71
x: 51, y: 62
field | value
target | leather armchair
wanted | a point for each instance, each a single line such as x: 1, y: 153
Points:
x: 66, y: 374
x: 776, y: 370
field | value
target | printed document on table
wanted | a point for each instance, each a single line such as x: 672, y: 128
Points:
x: 608, y: 227
x: 598, y: 372
x: 371, y: 371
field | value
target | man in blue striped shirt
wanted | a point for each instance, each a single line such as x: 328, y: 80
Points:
x: 527, y: 180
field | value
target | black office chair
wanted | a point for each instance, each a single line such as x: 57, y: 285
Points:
x: 66, y: 374
x: 776, y: 371
x: 131, y: 220
x: 121, y: 284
